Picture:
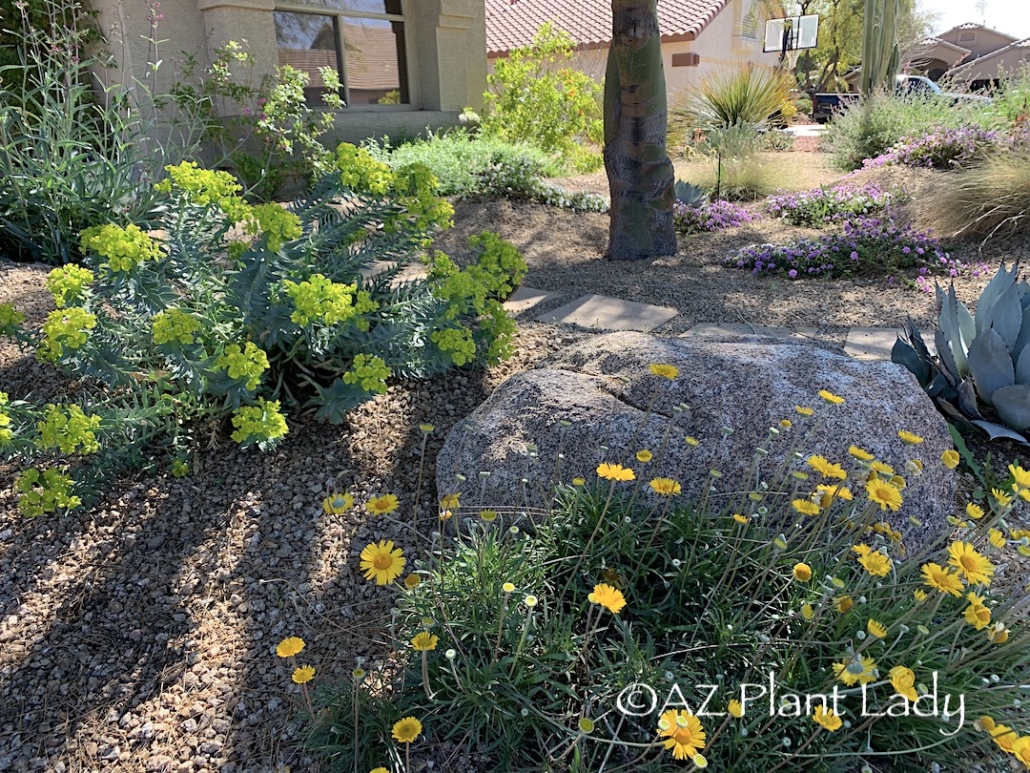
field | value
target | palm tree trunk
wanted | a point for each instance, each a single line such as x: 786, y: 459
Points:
x: 640, y: 175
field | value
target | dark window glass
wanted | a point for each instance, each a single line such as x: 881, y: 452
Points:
x: 374, y: 61
x: 308, y: 42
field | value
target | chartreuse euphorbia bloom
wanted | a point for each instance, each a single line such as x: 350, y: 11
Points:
x: 68, y: 429
x: 249, y: 363
x: 64, y: 329
x: 123, y: 248
x: 259, y: 423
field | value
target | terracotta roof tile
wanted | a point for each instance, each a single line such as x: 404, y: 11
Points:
x: 512, y: 23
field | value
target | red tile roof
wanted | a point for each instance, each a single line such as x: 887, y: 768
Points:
x: 512, y: 23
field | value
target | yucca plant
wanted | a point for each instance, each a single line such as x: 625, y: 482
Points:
x: 729, y: 97
x: 982, y: 361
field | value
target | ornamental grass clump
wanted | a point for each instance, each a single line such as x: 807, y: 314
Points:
x: 783, y: 621
x: 237, y: 313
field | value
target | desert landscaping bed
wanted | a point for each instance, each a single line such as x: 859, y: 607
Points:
x: 140, y: 635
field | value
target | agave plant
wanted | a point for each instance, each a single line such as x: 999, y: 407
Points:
x: 689, y: 194
x: 982, y: 362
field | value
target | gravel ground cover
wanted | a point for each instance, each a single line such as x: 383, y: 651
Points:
x: 140, y: 635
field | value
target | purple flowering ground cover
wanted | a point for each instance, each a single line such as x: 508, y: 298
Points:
x: 941, y: 149
x: 710, y: 216
x: 879, y: 245
x: 818, y: 207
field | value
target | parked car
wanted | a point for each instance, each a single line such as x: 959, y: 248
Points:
x: 825, y: 105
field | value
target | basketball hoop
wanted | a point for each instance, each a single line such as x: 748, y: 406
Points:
x: 792, y: 33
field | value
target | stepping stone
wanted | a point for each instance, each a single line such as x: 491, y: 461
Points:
x: 737, y: 329
x: 600, y: 312
x: 526, y: 298
x: 876, y: 343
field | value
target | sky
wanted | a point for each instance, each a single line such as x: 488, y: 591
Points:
x: 1010, y: 16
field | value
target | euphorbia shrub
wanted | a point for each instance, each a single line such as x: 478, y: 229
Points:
x: 235, y: 312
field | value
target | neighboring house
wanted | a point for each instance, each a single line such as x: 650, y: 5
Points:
x: 970, y: 55
x: 697, y: 35
x: 987, y: 70
x: 405, y: 64
x: 933, y: 57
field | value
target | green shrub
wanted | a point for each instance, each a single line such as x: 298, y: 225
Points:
x: 992, y: 199
x: 459, y: 158
x: 869, y: 128
x: 272, y: 138
x: 197, y: 332
x: 564, y: 642
x: 536, y: 100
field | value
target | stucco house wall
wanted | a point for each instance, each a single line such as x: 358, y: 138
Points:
x: 445, y: 42
x: 731, y: 39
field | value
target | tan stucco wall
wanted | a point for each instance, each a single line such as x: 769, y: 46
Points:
x: 985, y: 41
x: 719, y: 45
x: 446, y: 42
x: 1009, y: 62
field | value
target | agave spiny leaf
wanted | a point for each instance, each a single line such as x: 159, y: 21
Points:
x: 990, y: 365
x: 1013, y: 405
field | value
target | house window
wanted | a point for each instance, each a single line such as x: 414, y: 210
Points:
x: 363, y: 40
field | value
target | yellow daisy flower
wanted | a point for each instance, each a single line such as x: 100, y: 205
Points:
x: 885, y: 494
x: 644, y: 456
x: 336, y: 504
x: 802, y: 572
x: 827, y: 718
x: 877, y: 564
x: 683, y: 733
x: 412, y: 581
x: 289, y: 647
x: 1020, y: 476
x: 1001, y: 497
x: 856, y: 670
x: 805, y: 507
x: 615, y: 472
x: 804, y: 411
x: 941, y: 579
x: 807, y: 611
x: 843, y: 603
x: 860, y: 453
x: 830, y: 397
x: 382, y: 505
x: 406, y: 730
x: 974, y: 511
x: 665, y: 371
x: 977, y: 614
x: 950, y: 459
x: 423, y: 641
x: 303, y: 674
x: 450, y: 501
x: 1004, y: 736
x: 381, y: 562
x: 740, y: 518
x: 735, y: 708
x: 666, y: 487
x: 882, y: 467
x: 826, y: 468
x: 608, y: 597
x: 876, y: 628
x: 998, y: 633
x: 909, y: 437
x: 903, y: 680
x: 995, y: 538
x: 919, y: 595
x: 786, y: 423
x: 692, y: 441
x: 971, y: 565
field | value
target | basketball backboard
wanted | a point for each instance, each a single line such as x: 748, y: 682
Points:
x: 791, y: 34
